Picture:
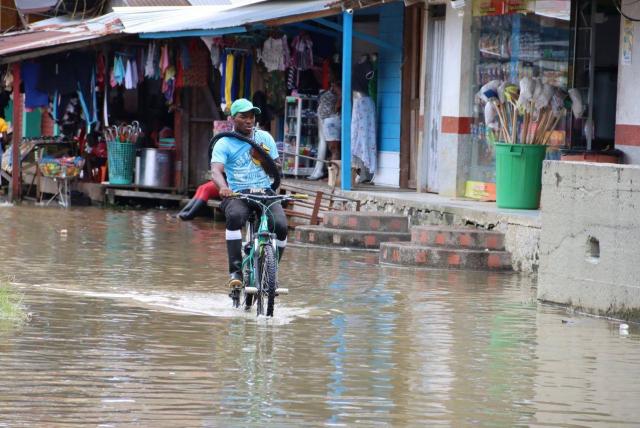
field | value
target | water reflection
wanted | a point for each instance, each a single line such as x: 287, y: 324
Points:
x: 132, y: 326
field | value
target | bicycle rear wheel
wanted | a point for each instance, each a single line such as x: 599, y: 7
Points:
x: 268, y: 277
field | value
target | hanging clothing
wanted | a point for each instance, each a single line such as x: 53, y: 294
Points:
x: 363, y: 134
x: 240, y: 77
x: 302, y: 52
x: 275, y: 54
x: 237, y: 63
x: 30, y: 74
x: 326, y: 67
x: 128, y: 76
x: 248, y: 64
x: 164, y: 59
x: 229, y: 79
x: 149, y: 65
x: 223, y: 82
x: 292, y: 78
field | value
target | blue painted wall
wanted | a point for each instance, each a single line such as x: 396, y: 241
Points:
x: 390, y: 77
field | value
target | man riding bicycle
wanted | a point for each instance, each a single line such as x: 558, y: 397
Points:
x: 242, y: 165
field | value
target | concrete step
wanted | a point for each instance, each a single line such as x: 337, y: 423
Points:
x: 443, y: 236
x: 411, y: 254
x: 365, y: 220
x: 320, y: 235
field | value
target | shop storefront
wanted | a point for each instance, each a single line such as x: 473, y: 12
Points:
x: 511, y: 41
x: 171, y: 89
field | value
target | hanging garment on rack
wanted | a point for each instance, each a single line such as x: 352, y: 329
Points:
x: 223, y: 82
x: 149, y: 65
x: 128, y: 76
x: 240, y: 77
x: 101, y: 71
x: 229, y: 79
x: 248, y: 64
x: 275, y: 54
x: 363, y: 134
x: 30, y: 74
x: 326, y: 67
x: 302, y: 52
x: 164, y: 59
x: 235, y: 85
x: 185, y: 55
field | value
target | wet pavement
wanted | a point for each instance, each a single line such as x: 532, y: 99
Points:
x: 132, y: 327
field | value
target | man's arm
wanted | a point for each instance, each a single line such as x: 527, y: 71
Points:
x: 217, y: 176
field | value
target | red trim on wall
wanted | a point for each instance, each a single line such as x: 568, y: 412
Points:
x: 627, y: 135
x: 456, y: 125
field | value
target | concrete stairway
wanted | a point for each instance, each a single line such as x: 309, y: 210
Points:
x: 449, y: 248
x: 360, y: 229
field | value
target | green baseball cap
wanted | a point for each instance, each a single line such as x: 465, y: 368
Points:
x: 243, y: 105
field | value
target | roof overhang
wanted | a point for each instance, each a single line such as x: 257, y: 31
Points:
x: 55, y: 35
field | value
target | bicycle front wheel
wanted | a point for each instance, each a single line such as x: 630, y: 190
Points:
x: 268, y: 280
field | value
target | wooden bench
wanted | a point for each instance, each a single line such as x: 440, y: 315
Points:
x: 309, y: 211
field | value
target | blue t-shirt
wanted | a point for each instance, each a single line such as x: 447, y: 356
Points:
x: 241, y: 169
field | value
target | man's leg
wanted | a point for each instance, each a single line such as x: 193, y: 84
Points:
x: 278, y: 223
x: 236, y: 213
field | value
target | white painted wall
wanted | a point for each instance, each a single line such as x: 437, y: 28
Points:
x: 458, y: 63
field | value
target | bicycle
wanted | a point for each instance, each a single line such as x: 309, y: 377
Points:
x: 260, y: 261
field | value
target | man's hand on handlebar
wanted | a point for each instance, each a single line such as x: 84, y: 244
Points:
x: 225, y: 192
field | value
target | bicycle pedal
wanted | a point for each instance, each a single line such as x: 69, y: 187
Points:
x: 280, y: 291
x: 250, y: 290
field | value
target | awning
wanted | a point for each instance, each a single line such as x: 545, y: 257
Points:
x: 165, y: 21
x: 53, y: 35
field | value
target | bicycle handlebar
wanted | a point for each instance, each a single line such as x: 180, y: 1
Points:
x: 259, y: 197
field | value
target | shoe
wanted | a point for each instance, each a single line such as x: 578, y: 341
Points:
x: 235, y: 280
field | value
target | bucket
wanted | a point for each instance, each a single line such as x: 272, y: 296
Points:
x: 519, y: 175
x: 154, y: 168
x: 120, y: 158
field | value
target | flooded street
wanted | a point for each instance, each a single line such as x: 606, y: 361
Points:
x: 132, y: 326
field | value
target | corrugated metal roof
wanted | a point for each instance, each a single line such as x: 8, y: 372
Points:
x: 151, y: 3
x: 153, y: 20
x: 58, y: 31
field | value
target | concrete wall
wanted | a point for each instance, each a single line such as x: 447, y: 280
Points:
x: 454, y: 147
x: 389, y: 95
x: 628, y: 108
x: 590, y: 239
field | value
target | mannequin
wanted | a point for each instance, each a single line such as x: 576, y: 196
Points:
x: 363, y: 122
x: 328, y: 109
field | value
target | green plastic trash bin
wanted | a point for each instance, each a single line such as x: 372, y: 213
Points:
x: 519, y: 175
x: 121, y: 158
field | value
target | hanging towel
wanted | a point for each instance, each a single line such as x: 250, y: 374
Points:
x: 237, y: 59
x: 118, y: 70
x: 164, y: 59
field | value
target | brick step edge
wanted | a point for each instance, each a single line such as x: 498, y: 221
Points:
x: 319, y: 235
x: 410, y: 254
x: 370, y: 221
x: 457, y: 238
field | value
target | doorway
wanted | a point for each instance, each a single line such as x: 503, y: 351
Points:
x: 409, y: 122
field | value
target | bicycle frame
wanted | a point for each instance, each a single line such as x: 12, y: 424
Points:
x: 257, y: 239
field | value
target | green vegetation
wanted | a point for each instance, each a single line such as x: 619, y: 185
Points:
x: 11, y: 307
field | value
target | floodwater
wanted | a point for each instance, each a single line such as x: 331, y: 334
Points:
x: 132, y: 327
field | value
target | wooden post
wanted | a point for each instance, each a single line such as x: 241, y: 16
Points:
x: 16, y: 179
